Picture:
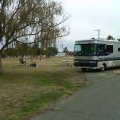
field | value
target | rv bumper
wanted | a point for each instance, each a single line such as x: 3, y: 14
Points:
x: 87, y: 64
x: 91, y: 68
x: 88, y: 68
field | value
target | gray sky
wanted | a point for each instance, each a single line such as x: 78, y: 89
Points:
x: 89, y: 15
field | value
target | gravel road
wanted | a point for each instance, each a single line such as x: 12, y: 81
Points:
x: 100, y: 100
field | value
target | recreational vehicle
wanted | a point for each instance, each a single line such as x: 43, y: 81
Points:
x: 96, y: 54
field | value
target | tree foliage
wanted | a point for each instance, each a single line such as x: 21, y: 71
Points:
x: 51, y: 51
x: 65, y: 50
x: 110, y: 37
x: 31, y: 20
x: 28, y: 50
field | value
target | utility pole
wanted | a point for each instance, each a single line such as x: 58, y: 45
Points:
x: 98, y: 30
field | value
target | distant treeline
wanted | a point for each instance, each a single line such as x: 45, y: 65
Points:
x: 29, y: 50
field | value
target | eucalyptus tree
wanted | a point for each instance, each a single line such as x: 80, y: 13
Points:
x: 22, y: 20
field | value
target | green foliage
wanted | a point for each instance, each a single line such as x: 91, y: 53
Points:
x: 25, y: 49
x: 36, y: 18
x: 41, y: 51
x: 10, y: 52
x: 22, y: 49
x: 35, y: 50
x: 51, y: 51
x: 65, y: 50
x: 110, y: 37
x: 118, y: 39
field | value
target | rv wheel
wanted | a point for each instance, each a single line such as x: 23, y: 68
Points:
x: 103, y: 67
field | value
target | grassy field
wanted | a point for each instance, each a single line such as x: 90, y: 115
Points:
x: 26, y: 91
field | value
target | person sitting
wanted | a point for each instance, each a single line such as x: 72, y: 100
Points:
x: 22, y: 60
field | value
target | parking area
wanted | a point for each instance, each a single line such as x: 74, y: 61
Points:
x: 99, y: 100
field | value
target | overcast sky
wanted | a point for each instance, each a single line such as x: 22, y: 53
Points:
x: 89, y: 15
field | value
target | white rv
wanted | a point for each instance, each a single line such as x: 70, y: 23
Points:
x: 97, y: 54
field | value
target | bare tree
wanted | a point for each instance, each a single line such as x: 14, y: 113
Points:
x: 22, y: 20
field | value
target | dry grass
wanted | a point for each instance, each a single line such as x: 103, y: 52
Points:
x: 25, y: 90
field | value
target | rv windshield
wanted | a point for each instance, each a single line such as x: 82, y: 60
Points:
x: 89, y: 49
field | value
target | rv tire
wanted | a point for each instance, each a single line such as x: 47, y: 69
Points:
x: 103, y: 67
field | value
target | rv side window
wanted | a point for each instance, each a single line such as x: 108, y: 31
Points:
x: 109, y: 48
x: 119, y: 49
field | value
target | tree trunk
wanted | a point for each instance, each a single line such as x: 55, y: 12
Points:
x: 1, y: 67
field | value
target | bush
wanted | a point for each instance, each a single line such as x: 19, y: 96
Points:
x: 51, y: 51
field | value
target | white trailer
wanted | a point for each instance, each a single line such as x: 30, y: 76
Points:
x: 97, y: 54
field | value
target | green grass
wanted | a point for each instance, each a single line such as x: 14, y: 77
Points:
x: 25, y: 90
